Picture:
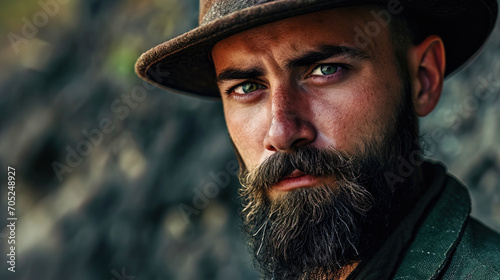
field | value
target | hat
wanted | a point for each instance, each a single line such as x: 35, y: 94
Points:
x: 183, y: 64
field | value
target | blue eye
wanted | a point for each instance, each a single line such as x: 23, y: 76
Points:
x: 326, y: 69
x: 246, y: 88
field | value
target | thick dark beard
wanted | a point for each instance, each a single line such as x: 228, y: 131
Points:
x: 313, y: 233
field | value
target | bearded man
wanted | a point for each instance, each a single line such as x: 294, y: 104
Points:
x: 321, y: 100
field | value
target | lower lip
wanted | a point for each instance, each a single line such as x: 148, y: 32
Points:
x: 289, y: 184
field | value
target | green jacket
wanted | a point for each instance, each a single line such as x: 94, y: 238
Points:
x: 441, y: 241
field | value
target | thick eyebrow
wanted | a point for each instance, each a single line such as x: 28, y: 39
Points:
x: 239, y: 74
x: 325, y: 52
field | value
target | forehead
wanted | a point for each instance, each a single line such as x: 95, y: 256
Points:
x: 340, y: 26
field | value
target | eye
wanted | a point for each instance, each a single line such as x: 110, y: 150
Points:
x: 326, y: 69
x: 247, y: 88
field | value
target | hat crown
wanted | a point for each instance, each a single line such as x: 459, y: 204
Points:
x: 211, y: 10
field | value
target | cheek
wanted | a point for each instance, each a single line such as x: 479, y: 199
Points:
x: 354, y: 114
x: 247, y: 131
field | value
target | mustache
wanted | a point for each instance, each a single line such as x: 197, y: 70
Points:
x: 318, y: 162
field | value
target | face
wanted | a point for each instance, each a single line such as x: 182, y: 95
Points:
x: 315, y: 120
x: 304, y: 82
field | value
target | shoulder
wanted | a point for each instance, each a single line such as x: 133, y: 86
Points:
x: 477, y: 254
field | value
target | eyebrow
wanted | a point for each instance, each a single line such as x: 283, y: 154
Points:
x: 237, y: 74
x: 324, y: 52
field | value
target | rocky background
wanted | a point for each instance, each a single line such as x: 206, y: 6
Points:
x: 119, y: 180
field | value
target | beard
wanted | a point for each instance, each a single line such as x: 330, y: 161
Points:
x: 315, y: 232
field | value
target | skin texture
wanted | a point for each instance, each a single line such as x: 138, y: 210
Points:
x: 297, y: 105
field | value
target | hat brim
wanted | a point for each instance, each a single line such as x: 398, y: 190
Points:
x: 182, y: 65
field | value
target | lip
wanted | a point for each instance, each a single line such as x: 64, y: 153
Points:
x: 297, y: 179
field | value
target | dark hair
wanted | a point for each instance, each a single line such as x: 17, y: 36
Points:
x: 403, y: 34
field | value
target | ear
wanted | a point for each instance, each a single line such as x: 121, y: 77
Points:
x: 427, y: 64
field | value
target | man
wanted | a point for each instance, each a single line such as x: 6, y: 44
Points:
x: 321, y: 100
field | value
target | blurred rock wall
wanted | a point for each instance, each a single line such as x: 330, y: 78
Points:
x: 119, y: 180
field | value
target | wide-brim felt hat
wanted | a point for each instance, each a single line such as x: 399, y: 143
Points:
x: 183, y: 64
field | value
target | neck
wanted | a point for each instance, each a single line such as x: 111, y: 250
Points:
x: 346, y: 271
x: 341, y: 275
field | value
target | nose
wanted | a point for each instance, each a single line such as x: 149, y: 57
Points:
x: 289, y: 125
